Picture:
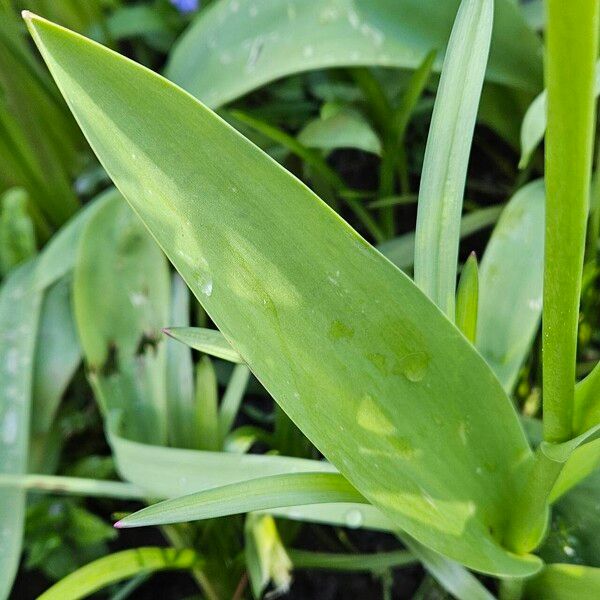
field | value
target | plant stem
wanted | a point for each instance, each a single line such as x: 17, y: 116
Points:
x: 571, y: 40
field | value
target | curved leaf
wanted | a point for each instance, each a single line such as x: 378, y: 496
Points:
x: 118, y: 566
x: 209, y: 341
x: 218, y: 61
x: 564, y: 582
x: 247, y: 496
x: 310, y: 306
x: 510, y: 284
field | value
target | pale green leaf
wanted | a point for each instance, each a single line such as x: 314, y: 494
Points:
x: 217, y: 61
x: 19, y: 311
x: 534, y: 124
x: 291, y: 287
x: 564, y: 582
x: 232, y: 399
x: 467, y: 299
x: 209, y: 341
x: 118, y: 566
x: 447, y: 153
x: 206, y: 409
x: 346, y: 128
x: 510, y: 284
x: 255, y: 494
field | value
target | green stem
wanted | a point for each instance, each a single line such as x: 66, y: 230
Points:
x: 571, y: 40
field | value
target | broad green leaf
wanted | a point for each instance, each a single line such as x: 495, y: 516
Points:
x: 401, y: 250
x: 467, y: 299
x: 209, y: 341
x: 118, y: 566
x: 19, y: 310
x: 58, y: 257
x: 57, y: 355
x: 292, y: 287
x: 346, y: 128
x: 121, y: 302
x: 17, y: 235
x: 447, y: 153
x: 168, y: 472
x: 180, y: 373
x: 247, y: 496
x: 510, y: 284
x: 534, y: 124
x: 217, y: 61
x: 564, y: 582
x: 572, y: 51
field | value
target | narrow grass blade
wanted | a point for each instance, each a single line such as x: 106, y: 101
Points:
x: 207, y: 412
x: 401, y: 250
x: 232, y: 399
x: 467, y: 299
x: 17, y: 234
x: 209, y: 341
x: 247, y: 496
x: 117, y: 567
x: 510, y: 284
x: 19, y: 311
x: 217, y: 62
x: 291, y: 292
x: 376, y: 563
x: 572, y: 50
x: 447, y: 153
x: 76, y: 486
x: 180, y: 373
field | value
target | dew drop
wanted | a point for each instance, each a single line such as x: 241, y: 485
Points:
x: 354, y: 518
x: 414, y: 366
x: 206, y: 284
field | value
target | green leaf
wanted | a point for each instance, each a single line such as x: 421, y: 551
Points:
x: 346, y: 128
x: 401, y: 250
x: 534, y: 124
x: 17, y: 235
x: 247, y: 496
x: 58, y: 256
x: 376, y: 562
x: 581, y: 463
x: 168, y: 472
x: 207, y: 411
x: 118, y: 566
x: 121, y: 302
x: 57, y: 356
x: 587, y: 402
x: 564, y: 582
x: 232, y: 399
x: 19, y: 311
x: 209, y: 341
x: 572, y: 50
x: 467, y: 299
x: 510, y: 284
x: 293, y: 293
x: 218, y: 62
x: 180, y: 373
x: 447, y: 153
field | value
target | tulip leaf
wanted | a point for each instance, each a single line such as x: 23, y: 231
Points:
x: 311, y: 308
x: 217, y: 61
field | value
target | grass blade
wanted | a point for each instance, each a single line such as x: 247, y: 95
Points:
x: 247, y: 496
x: 209, y: 341
x: 232, y: 399
x: 467, y: 299
x: 447, y: 153
x: 117, y: 567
